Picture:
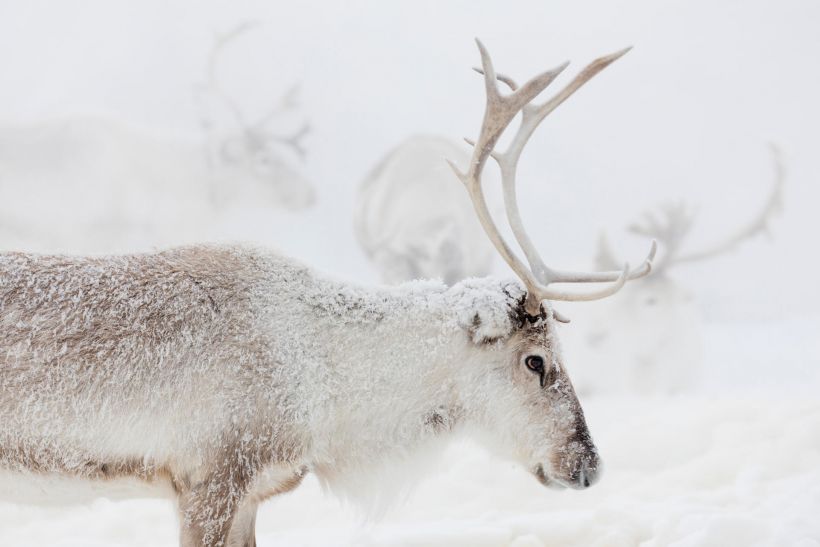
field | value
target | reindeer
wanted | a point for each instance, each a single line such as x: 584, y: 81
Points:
x: 221, y: 375
x: 661, y: 310
x: 413, y: 224
x: 252, y: 146
x: 132, y: 186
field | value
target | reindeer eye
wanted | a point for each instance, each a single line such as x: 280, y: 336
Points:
x: 535, y: 363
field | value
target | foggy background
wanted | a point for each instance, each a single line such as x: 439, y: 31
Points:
x: 688, y: 114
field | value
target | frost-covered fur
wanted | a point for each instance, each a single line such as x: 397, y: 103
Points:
x: 226, y: 373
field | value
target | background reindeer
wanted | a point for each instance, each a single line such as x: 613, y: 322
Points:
x: 413, y: 222
x: 285, y: 371
x: 252, y: 145
x: 661, y: 312
x: 141, y: 187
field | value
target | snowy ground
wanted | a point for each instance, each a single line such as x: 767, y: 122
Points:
x: 736, y: 461
x: 675, y: 476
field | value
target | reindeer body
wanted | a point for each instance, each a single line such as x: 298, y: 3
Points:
x: 222, y: 373
x: 413, y: 219
x: 129, y: 186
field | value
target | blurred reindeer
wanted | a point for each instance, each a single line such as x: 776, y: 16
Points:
x: 252, y: 146
x: 413, y: 220
x: 662, y: 314
x: 99, y: 184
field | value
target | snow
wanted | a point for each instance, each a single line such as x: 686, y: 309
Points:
x: 734, y: 460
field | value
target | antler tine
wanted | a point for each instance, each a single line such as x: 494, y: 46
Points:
x: 532, y: 116
x: 670, y: 226
x: 221, y: 40
x: 294, y: 140
x: 288, y: 101
x: 646, y: 267
x: 758, y: 224
x: 501, y: 78
x: 612, y: 288
x: 499, y: 112
x: 604, y: 255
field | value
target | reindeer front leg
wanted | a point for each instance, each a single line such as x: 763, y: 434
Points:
x: 243, y: 529
x: 210, y: 505
x: 207, y: 512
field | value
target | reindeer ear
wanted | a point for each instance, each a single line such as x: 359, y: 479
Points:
x: 604, y: 257
x: 484, y: 310
x: 487, y: 332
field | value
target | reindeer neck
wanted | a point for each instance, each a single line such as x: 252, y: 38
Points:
x: 384, y: 368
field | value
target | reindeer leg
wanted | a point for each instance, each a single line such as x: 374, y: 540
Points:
x: 211, y: 505
x: 243, y: 529
x: 207, y: 512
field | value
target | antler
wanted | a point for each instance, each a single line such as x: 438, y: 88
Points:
x: 670, y: 227
x: 499, y: 112
x: 294, y: 141
x: 674, y: 223
x: 758, y: 224
x: 254, y: 132
x: 221, y: 40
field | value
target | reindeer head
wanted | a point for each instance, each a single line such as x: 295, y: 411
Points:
x: 530, y: 407
x: 530, y: 401
x: 249, y: 150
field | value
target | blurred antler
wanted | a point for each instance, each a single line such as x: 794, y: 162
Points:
x: 673, y: 224
x: 294, y: 140
x: 221, y: 41
x: 256, y: 133
x: 758, y: 224
x: 605, y: 258
x: 670, y: 227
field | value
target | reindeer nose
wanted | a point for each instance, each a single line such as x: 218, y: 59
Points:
x: 589, y: 472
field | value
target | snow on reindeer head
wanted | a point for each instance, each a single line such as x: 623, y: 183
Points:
x: 249, y: 147
x: 522, y: 394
